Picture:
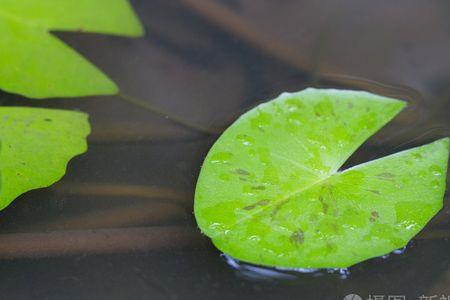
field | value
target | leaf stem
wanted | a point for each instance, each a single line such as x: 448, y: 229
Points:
x: 175, y: 119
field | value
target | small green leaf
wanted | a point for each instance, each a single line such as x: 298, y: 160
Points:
x: 36, y: 64
x: 35, y: 147
x: 270, y: 191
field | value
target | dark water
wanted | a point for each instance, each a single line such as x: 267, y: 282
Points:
x: 120, y: 224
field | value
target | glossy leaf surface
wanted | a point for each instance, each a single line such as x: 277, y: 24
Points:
x: 36, y: 64
x: 270, y: 191
x: 36, y: 145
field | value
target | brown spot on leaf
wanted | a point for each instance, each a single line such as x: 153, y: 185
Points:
x: 297, y: 237
x: 374, y: 216
x: 259, y: 187
x: 386, y: 176
x: 324, y: 205
x: 242, y: 172
x: 256, y: 204
x: 373, y: 191
x: 277, y: 208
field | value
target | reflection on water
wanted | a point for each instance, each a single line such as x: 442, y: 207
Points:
x: 263, y: 273
x: 259, y: 273
x: 120, y: 225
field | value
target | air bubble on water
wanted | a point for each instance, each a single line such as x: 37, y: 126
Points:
x: 255, y: 272
x: 344, y: 272
x: 300, y: 270
x: 399, y: 251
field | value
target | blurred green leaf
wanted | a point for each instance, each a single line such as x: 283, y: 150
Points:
x: 270, y: 191
x: 36, y: 145
x: 36, y: 64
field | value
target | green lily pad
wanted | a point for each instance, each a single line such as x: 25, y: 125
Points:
x: 36, y: 64
x: 36, y: 145
x: 270, y: 191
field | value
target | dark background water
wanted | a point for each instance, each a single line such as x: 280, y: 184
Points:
x: 119, y: 225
